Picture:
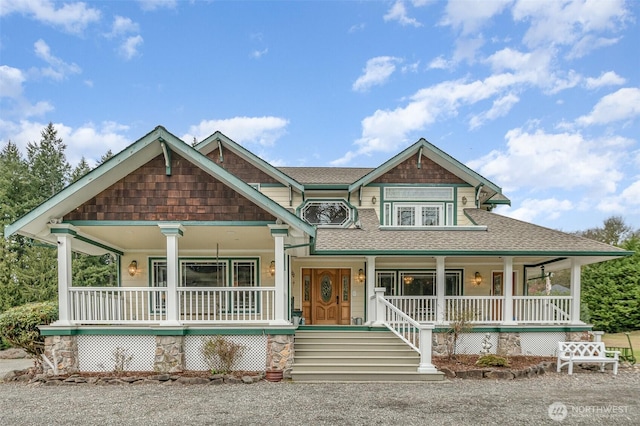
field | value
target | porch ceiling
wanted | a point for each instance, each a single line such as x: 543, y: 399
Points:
x: 195, y: 238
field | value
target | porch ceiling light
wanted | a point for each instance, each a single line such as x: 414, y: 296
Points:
x: 477, y: 279
x: 272, y: 268
x: 133, y: 267
x: 408, y: 279
x: 361, y: 275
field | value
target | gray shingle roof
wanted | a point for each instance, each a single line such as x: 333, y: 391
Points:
x: 325, y: 175
x: 493, y: 235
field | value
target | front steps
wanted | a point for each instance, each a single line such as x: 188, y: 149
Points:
x: 355, y: 355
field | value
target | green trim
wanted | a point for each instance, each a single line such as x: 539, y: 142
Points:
x: 64, y: 231
x: 172, y: 231
x: 467, y: 253
x: 321, y: 186
x: 160, y: 331
x: 183, y: 223
x: 99, y: 245
x: 458, y: 167
x: 84, y: 239
x: 340, y: 328
x: 212, y: 142
x: 517, y: 329
x: 279, y: 231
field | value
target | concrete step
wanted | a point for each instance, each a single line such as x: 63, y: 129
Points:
x: 364, y: 377
x: 355, y: 356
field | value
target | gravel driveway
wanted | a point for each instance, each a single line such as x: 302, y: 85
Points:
x: 594, y: 398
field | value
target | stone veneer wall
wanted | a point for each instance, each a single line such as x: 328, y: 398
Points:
x: 578, y: 336
x: 169, y: 356
x: 280, y: 353
x: 509, y: 344
x: 61, y: 351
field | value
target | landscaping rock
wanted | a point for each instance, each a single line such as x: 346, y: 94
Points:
x: 448, y: 373
x: 471, y: 374
x: 500, y: 375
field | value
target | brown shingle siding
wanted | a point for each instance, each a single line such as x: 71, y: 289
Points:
x: 429, y: 173
x: 188, y: 194
x: 237, y: 166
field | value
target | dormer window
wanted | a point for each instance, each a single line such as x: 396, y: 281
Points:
x: 327, y: 213
x: 418, y: 206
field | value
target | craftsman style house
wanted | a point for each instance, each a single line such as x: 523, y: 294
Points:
x: 212, y: 240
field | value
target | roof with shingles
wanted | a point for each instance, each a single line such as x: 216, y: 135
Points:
x: 326, y: 175
x: 493, y: 235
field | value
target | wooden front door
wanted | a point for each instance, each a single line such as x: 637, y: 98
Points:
x: 330, y: 296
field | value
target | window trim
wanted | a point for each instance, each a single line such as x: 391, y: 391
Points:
x: 351, y: 213
x: 397, y: 275
x: 418, y: 212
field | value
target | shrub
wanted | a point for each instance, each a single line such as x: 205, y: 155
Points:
x: 491, y: 360
x: 19, y: 325
x: 221, y: 354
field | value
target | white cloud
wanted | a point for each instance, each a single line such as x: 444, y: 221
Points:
x: 129, y: 48
x: 150, y: 5
x: 257, y: 130
x: 398, y: 12
x: 11, y: 80
x: 621, y: 105
x: 588, y: 44
x: 609, y: 78
x: 73, y: 17
x: 89, y: 141
x: 257, y: 54
x: 500, y: 108
x: 531, y: 209
x: 470, y: 16
x: 377, y: 72
x: 440, y: 63
x: 58, y: 69
x: 357, y: 28
x: 540, y: 160
x: 567, y: 22
x: 122, y: 26
x: 631, y: 194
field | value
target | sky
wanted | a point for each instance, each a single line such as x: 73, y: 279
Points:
x: 540, y: 97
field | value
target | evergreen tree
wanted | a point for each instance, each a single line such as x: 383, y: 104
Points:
x: 611, y: 290
x: 81, y: 169
x: 48, y: 166
x: 105, y: 157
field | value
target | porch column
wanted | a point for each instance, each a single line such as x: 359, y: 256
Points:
x: 440, y: 289
x: 575, y: 292
x: 507, y: 307
x: 65, y: 236
x: 380, y: 318
x: 370, y: 290
x: 172, y: 231
x: 425, y: 342
x: 279, y: 232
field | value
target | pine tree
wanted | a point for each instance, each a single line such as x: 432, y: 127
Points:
x: 48, y: 166
x: 81, y: 169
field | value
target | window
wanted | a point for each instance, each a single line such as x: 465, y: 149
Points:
x: 425, y: 193
x: 326, y: 213
x: 203, y: 273
x: 418, y: 215
x: 244, y: 273
x: 418, y: 283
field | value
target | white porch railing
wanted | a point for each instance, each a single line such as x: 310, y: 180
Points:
x: 414, y: 334
x: 487, y: 309
x: 542, y: 309
x: 147, y: 305
x: 117, y: 305
x: 420, y: 308
x: 226, y: 304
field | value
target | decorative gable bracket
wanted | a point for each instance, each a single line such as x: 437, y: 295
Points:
x: 166, y: 151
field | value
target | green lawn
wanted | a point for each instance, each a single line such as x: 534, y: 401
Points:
x: 620, y: 340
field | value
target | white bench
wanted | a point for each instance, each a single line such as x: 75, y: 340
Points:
x: 585, y: 352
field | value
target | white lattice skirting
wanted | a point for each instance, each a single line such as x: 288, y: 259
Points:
x: 137, y: 353
x: 253, y: 359
x: 532, y: 343
x: 99, y: 353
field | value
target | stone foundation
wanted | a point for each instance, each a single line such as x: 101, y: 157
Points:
x: 578, y: 336
x: 509, y: 344
x: 169, y: 354
x: 62, y: 352
x: 280, y: 353
x: 439, y: 344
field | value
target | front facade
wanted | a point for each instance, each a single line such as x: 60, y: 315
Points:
x: 213, y: 240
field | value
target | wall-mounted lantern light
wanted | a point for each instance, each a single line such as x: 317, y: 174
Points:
x: 133, y: 267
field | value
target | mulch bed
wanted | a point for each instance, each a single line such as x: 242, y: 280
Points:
x: 468, y: 362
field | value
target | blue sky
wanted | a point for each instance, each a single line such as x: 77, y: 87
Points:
x: 541, y: 97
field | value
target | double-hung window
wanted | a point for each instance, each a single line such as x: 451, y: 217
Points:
x: 418, y: 214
